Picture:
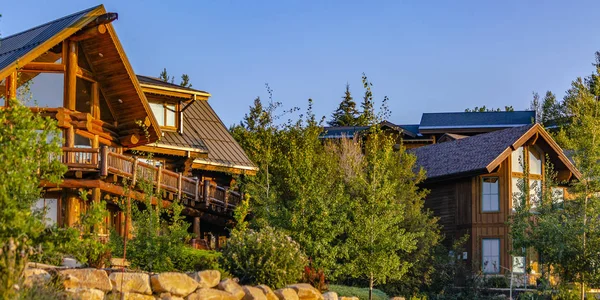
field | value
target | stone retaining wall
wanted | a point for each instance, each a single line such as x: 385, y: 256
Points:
x: 99, y: 284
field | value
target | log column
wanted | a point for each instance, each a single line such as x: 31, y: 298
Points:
x: 72, y: 209
x: 196, y: 226
x: 71, y: 76
x: 11, y: 88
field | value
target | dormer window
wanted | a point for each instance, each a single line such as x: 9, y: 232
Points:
x: 165, y: 114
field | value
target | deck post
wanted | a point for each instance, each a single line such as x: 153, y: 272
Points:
x: 104, y: 161
x: 196, y: 198
x: 71, y: 76
x: 196, y: 227
x: 11, y: 88
x: 226, y: 200
x: 134, y: 171
x: 159, y: 179
x: 180, y: 176
x: 206, y: 192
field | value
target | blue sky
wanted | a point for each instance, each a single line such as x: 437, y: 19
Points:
x: 425, y: 56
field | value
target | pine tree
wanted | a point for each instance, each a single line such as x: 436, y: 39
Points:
x: 185, y: 81
x: 346, y: 113
x: 164, y: 76
x: 551, y: 109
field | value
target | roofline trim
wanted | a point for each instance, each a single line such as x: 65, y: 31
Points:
x: 164, y: 88
x: 235, y: 166
x: 473, y: 126
x: 160, y: 145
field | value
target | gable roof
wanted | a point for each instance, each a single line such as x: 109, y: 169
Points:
x: 451, y: 137
x: 482, y: 153
x: 107, y: 60
x: 431, y: 122
x: 160, y: 85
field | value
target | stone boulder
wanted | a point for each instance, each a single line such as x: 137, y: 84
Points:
x: 252, y: 293
x: 210, y: 294
x: 330, y: 296
x: 168, y: 296
x: 178, y: 284
x: 348, y: 298
x: 397, y: 298
x: 233, y: 288
x: 129, y: 296
x: 268, y: 292
x: 306, y: 291
x: 131, y: 283
x: 35, y: 276
x: 86, y: 278
x: 207, y: 279
x: 286, y: 294
x: 88, y: 294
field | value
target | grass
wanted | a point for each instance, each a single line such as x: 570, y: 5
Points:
x: 361, y: 293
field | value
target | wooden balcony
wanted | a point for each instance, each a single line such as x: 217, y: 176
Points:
x: 190, y: 191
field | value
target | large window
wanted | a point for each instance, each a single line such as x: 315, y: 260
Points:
x: 491, y: 256
x: 165, y: 114
x: 49, y: 207
x: 518, y: 160
x: 532, y: 158
x: 489, y: 194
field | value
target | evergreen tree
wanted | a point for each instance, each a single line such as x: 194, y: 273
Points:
x: 485, y: 109
x: 536, y: 106
x: 164, y: 76
x: 551, y: 109
x: 185, y: 81
x: 346, y: 113
x: 367, y: 116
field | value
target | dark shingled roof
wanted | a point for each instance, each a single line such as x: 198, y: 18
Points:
x: 159, y: 82
x: 17, y: 45
x: 502, y: 119
x: 468, y: 155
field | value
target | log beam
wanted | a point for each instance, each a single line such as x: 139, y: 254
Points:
x: 89, y: 33
x: 43, y: 67
x: 130, y: 140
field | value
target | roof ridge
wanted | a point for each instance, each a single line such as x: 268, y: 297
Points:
x: 50, y: 22
x: 479, y: 112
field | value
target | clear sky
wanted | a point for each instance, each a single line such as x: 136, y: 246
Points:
x: 427, y: 56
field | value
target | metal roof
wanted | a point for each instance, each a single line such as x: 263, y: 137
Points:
x: 17, y: 45
x: 502, y: 119
x: 341, y: 132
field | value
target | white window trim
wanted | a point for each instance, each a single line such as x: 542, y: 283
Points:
x: 497, y: 194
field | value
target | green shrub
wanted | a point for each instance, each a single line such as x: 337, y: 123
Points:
x: 266, y: 257
x: 361, y: 293
x: 190, y: 259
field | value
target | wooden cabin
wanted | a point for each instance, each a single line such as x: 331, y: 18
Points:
x: 80, y: 76
x: 472, y: 181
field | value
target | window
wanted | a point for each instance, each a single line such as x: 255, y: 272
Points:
x: 558, y: 195
x: 165, y: 114
x: 489, y: 194
x: 491, y: 255
x: 535, y: 163
x: 535, y: 192
x: 517, y: 160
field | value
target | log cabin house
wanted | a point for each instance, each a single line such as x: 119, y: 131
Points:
x: 472, y: 181
x: 89, y: 87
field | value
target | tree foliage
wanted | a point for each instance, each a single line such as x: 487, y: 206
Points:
x: 346, y: 113
x: 549, y: 111
x: 185, y: 79
x: 486, y: 109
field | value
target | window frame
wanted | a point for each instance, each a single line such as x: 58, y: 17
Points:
x: 520, y: 174
x: 499, y: 269
x: 497, y: 194
x: 175, y: 112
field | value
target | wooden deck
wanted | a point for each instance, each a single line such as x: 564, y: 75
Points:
x: 191, y: 191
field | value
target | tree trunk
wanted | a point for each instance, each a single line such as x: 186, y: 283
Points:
x: 371, y: 286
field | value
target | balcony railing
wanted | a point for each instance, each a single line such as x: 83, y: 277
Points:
x: 190, y: 190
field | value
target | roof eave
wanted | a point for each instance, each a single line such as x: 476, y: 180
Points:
x: 200, y: 94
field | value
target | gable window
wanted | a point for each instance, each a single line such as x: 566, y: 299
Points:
x: 489, y: 194
x: 530, y: 157
x: 518, y: 160
x: 491, y: 256
x: 165, y: 114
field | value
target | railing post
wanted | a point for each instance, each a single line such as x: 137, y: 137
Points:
x: 158, y: 179
x: 206, y: 191
x: 134, y: 171
x: 179, y: 186
x: 104, y: 161
x: 226, y: 200
x: 196, y: 198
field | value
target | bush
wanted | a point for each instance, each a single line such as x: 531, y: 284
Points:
x: 190, y: 259
x: 361, y: 293
x: 266, y: 257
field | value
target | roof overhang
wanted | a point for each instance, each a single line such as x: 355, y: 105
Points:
x: 536, y: 132
x: 200, y: 163
x: 174, y: 92
x: 174, y: 150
